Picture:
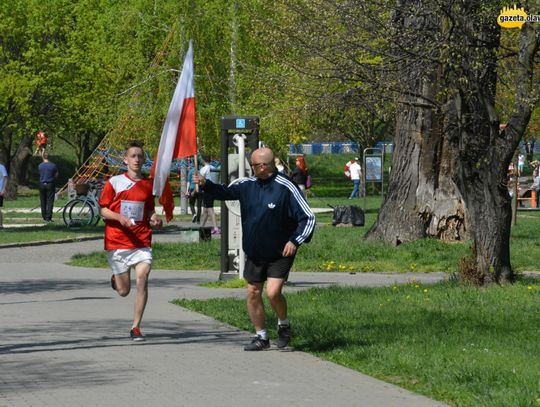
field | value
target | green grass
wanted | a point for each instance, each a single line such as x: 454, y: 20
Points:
x: 344, y: 249
x: 461, y: 345
x: 332, y: 248
x: 49, y: 232
x: 28, y: 199
x: 166, y: 256
x: 328, y: 178
x: 232, y: 283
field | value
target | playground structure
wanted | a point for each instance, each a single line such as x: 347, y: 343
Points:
x: 107, y: 158
x: 107, y: 161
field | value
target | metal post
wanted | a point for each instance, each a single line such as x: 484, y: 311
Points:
x: 183, y: 189
x: 239, y: 140
x: 224, y: 211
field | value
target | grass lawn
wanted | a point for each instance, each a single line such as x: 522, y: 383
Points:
x: 344, y: 249
x: 49, y: 232
x: 464, y: 346
x: 461, y: 345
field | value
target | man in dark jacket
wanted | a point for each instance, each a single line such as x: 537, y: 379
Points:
x: 47, y: 187
x: 276, y: 219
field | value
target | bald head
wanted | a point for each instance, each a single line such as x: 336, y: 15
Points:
x: 263, y: 154
x: 262, y: 162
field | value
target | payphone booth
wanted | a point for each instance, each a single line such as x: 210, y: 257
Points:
x: 239, y: 137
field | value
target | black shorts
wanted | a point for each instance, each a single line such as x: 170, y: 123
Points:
x: 1, y: 201
x: 258, y: 271
x: 208, y: 200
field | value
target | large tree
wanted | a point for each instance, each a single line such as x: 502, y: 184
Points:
x: 449, y: 125
x: 318, y: 79
x: 437, y: 62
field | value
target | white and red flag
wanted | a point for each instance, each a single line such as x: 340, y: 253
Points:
x: 178, y: 138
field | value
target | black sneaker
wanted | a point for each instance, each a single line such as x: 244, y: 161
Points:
x: 284, y: 335
x: 258, y: 343
x: 136, y: 335
x: 113, y: 282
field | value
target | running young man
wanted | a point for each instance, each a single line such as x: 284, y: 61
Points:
x: 127, y: 205
x: 276, y: 219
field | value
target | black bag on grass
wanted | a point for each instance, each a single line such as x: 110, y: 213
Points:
x: 348, y: 214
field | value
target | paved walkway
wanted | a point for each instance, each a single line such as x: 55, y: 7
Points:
x: 64, y: 343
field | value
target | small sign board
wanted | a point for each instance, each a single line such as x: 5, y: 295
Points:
x: 240, y: 123
x: 374, y: 168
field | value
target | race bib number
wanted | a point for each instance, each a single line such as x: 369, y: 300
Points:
x: 132, y: 209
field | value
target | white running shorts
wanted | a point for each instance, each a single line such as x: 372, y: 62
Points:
x: 121, y: 260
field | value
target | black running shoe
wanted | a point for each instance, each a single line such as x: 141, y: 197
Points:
x: 258, y: 343
x: 284, y: 335
x: 136, y: 335
x: 113, y: 282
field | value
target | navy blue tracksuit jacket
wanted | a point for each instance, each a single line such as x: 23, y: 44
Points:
x: 273, y: 210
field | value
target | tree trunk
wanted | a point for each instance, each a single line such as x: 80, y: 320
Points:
x: 485, y: 153
x: 481, y: 177
x: 20, y: 162
x: 422, y: 198
x: 468, y: 147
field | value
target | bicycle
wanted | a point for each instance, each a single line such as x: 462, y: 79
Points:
x: 84, y: 209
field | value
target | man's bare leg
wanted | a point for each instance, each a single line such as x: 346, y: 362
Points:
x: 142, y: 271
x: 255, y: 305
x: 274, y: 287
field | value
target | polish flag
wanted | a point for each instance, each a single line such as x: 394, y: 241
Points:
x: 178, y: 138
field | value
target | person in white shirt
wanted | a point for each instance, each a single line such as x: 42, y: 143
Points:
x: 208, y: 200
x: 521, y: 163
x: 355, y: 171
x: 279, y: 165
x: 3, y: 184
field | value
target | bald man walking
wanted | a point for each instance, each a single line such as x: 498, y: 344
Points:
x: 276, y: 220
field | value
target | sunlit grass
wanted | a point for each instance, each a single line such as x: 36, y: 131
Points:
x: 336, y: 249
x: 461, y: 345
x: 166, y: 256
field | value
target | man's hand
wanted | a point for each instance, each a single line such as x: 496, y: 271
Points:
x: 289, y: 249
x: 155, y: 221
x: 125, y: 221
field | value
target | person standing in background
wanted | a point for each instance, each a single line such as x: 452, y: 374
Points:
x: 536, y: 185
x: 208, y: 200
x: 521, y: 164
x: 300, y: 174
x: 356, y: 174
x: 279, y: 165
x: 41, y: 143
x: 194, y: 197
x: 3, y: 185
x: 47, y: 186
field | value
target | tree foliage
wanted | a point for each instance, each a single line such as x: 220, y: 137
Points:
x: 322, y: 62
x: 433, y: 65
x: 81, y: 70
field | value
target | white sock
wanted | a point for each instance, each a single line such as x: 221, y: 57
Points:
x: 263, y: 334
x: 283, y: 322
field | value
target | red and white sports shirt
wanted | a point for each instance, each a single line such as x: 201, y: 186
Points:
x: 133, y: 199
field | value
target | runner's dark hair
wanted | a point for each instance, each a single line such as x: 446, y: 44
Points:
x: 135, y: 143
